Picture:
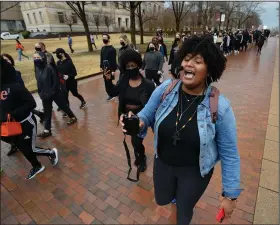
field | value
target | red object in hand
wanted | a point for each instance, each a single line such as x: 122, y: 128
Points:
x: 220, y: 216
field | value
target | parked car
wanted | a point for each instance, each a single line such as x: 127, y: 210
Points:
x: 8, y: 36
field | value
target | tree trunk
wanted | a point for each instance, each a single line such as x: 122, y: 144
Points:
x: 84, y: 21
x: 97, y: 32
x: 141, y: 25
x: 132, y: 23
x: 71, y: 28
x: 177, y: 21
x: 108, y: 29
x: 227, y: 24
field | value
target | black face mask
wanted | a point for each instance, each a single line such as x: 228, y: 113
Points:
x: 39, y: 62
x: 177, y: 39
x: 152, y: 49
x: 38, y: 49
x: 105, y: 41
x: 122, y: 43
x: 132, y: 73
x: 59, y: 56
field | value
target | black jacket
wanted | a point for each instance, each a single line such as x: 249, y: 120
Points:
x: 109, y: 53
x: 66, y: 67
x: 173, y: 51
x: 17, y: 101
x: 120, y: 89
x: 47, y: 82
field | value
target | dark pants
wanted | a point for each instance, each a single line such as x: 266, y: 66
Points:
x: 94, y: 45
x: 72, y: 85
x: 153, y: 76
x: 70, y: 46
x: 26, y: 142
x: 139, y: 149
x: 61, y: 103
x: 105, y: 84
x: 259, y: 48
x: 183, y: 183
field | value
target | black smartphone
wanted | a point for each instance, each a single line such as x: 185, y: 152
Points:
x: 131, y: 124
x: 106, y: 64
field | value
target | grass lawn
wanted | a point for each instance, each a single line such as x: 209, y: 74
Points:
x: 86, y: 62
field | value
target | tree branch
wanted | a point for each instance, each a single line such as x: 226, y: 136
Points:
x: 4, y: 10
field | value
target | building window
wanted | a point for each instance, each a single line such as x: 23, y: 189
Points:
x: 75, y: 19
x: 155, y: 8
x: 126, y: 22
x: 124, y: 5
x: 41, y: 17
x: 104, y: 3
x: 60, y: 17
x: 35, y: 19
x: 94, y: 3
x: 29, y: 20
x: 119, y: 21
x: 117, y: 5
x: 158, y: 8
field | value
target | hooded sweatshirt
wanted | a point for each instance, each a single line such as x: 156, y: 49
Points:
x: 16, y: 100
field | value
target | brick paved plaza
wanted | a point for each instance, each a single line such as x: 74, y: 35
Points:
x: 89, y: 183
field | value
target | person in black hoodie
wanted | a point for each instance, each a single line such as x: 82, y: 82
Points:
x: 8, y: 58
x: 173, y: 62
x: 49, y: 92
x: 67, y: 70
x: 17, y: 101
x: 108, y: 59
x: 134, y: 92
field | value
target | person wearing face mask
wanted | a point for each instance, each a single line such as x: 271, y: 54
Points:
x: 190, y: 138
x: 125, y: 45
x: 173, y: 64
x: 49, y: 92
x: 67, y: 70
x: 162, y: 48
x: 153, y: 63
x: 108, y: 55
x: 134, y: 91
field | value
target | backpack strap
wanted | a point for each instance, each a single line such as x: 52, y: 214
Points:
x: 214, y: 99
x: 169, y: 88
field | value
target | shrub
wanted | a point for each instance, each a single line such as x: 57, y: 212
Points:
x: 25, y: 34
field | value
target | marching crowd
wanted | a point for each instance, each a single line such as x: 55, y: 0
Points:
x: 192, y: 132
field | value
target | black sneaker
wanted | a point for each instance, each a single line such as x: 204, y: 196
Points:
x: 72, y: 121
x: 44, y: 134
x: 110, y: 98
x: 13, y: 150
x: 54, y: 157
x: 64, y: 115
x: 143, y: 165
x: 83, y: 105
x: 34, y: 171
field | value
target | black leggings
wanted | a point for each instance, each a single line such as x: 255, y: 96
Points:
x: 72, y: 85
x: 61, y: 103
x: 183, y: 183
x: 139, y: 149
x: 26, y: 142
x: 153, y: 76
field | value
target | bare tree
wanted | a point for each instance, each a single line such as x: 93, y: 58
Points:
x: 108, y: 20
x: 68, y: 19
x: 245, y: 10
x: 143, y: 18
x: 180, y: 10
x: 79, y: 9
x: 97, y: 19
x: 10, y: 7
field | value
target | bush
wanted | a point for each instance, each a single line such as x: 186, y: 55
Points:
x: 25, y: 34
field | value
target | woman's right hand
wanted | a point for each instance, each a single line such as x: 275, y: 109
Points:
x: 108, y: 74
x: 141, y: 123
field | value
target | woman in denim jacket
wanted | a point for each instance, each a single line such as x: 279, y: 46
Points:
x: 187, y: 143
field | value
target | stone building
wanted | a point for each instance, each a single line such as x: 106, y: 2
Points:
x: 56, y: 16
x: 11, y: 19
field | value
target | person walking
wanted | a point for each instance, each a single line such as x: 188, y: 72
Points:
x: 190, y: 138
x: 70, y: 43
x: 162, y: 48
x: 134, y: 91
x: 67, y: 69
x: 173, y: 64
x: 17, y: 104
x: 108, y: 55
x: 20, y: 49
x: 125, y: 45
x: 153, y: 63
x: 49, y: 92
x: 93, y: 41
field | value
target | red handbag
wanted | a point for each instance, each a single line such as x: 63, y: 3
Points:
x: 10, y: 128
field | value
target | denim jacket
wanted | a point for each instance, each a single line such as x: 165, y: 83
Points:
x: 217, y: 141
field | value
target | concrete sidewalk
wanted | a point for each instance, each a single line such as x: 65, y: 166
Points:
x: 267, y: 206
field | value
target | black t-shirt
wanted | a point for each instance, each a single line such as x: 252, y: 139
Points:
x: 132, y: 97
x: 187, y: 150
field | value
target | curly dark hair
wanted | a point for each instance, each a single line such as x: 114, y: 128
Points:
x: 130, y: 55
x: 9, y: 57
x: 212, y: 55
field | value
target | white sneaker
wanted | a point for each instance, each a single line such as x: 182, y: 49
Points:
x: 54, y: 158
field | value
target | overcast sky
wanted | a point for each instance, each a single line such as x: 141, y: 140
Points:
x: 270, y: 16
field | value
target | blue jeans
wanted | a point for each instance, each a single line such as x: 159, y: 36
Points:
x: 20, y: 53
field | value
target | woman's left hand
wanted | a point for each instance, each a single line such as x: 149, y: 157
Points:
x: 228, y: 207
